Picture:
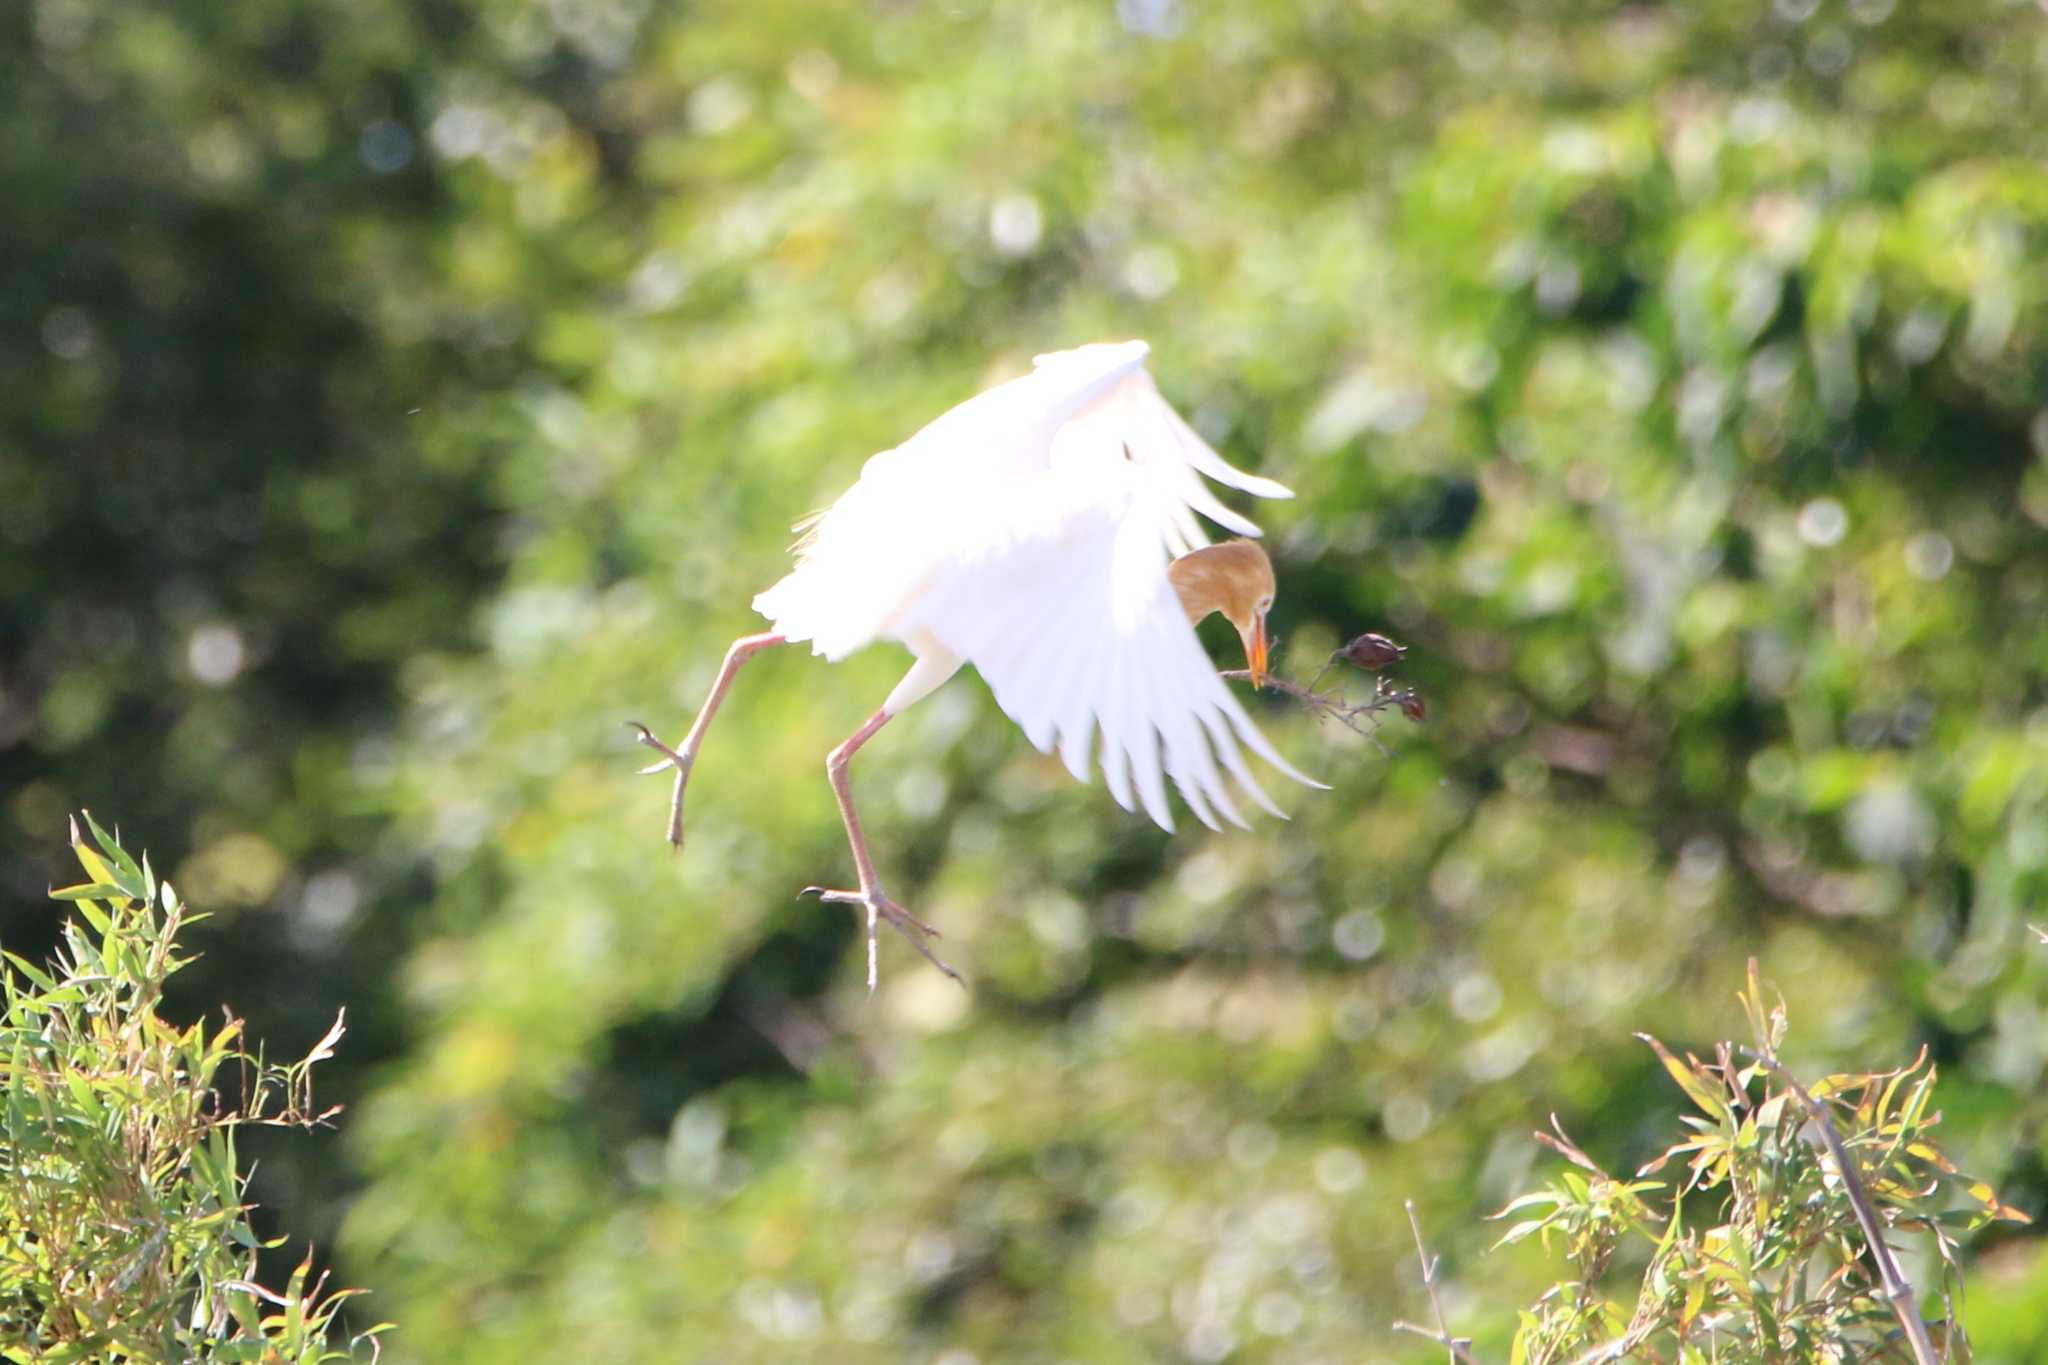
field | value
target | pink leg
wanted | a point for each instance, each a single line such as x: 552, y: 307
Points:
x: 743, y: 649
x: 870, y: 896
x: 836, y: 764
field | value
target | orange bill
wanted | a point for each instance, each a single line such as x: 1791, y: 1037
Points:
x: 1255, y: 651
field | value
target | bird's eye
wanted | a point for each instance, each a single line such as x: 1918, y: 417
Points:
x: 1265, y: 604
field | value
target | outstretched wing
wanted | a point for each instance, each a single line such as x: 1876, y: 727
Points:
x: 1058, y: 595
x: 920, y: 506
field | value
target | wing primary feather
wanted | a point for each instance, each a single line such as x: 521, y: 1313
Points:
x: 1226, y: 748
x: 1141, y: 745
x: 1198, y: 453
x: 1259, y: 745
x: 1191, y: 764
x: 1142, y: 598
x: 1068, y: 705
x: 1079, y: 699
x: 1186, y: 532
x: 1205, y: 502
x: 1076, y: 711
x: 1109, y: 720
x: 1205, y: 775
x: 1185, y: 486
x: 996, y: 653
x: 1145, y: 765
x: 1189, y: 788
x: 1076, y: 740
x: 1056, y: 649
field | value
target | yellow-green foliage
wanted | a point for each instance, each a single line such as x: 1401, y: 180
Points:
x: 1760, y: 1252
x: 123, y: 1235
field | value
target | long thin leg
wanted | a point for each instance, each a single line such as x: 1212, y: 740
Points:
x: 836, y: 764
x: 871, y: 896
x: 743, y: 649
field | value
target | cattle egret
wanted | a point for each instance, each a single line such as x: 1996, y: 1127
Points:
x: 1043, y: 531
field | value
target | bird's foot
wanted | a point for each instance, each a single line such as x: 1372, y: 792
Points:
x: 880, y: 907
x: 671, y: 759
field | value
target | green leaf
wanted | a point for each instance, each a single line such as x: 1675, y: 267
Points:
x: 82, y: 1095
x: 1696, y: 1087
x: 29, y: 970
x: 127, y: 872
x: 1528, y: 1201
x: 98, y: 891
x: 96, y: 917
x: 1520, y: 1231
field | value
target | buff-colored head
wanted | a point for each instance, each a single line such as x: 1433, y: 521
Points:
x: 1236, y: 579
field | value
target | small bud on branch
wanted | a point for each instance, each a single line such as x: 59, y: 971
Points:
x: 1371, y: 652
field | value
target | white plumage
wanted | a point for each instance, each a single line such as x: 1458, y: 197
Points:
x: 1027, y: 531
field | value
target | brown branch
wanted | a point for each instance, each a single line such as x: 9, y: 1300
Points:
x: 1370, y: 652
x: 1898, y: 1290
x: 1455, y: 1346
x: 1361, y: 718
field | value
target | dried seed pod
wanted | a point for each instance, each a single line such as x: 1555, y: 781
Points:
x: 1412, y: 707
x: 1371, y: 651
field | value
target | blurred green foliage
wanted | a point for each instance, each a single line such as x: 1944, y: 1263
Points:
x: 400, y: 395
x: 123, y: 1235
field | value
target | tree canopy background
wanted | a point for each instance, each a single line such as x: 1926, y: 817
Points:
x: 398, y: 395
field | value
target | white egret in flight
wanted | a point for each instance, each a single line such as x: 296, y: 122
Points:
x: 1043, y: 531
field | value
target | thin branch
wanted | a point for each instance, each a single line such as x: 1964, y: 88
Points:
x: 1361, y: 718
x: 1897, y: 1288
x: 1370, y: 652
x: 1455, y: 1346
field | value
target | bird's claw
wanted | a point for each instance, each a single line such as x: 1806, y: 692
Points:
x: 888, y: 909
x: 670, y: 759
x: 880, y: 907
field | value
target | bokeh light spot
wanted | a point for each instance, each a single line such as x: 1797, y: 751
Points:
x: 1823, y: 522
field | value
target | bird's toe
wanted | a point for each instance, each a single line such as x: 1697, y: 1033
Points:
x: 879, y: 907
x: 903, y: 919
x: 670, y: 758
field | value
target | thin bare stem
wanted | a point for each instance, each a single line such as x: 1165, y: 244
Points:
x: 1898, y: 1290
x: 1361, y: 718
x: 1456, y: 1347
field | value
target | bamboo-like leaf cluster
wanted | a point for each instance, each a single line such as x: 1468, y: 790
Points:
x: 123, y: 1231
x: 1756, y: 1236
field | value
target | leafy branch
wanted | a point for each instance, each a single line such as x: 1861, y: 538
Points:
x: 1813, y: 1183
x: 124, y: 1236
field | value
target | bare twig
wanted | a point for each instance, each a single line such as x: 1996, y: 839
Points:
x: 1361, y: 718
x: 1370, y: 652
x: 1455, y: 1346
x: 1898, y: 1290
